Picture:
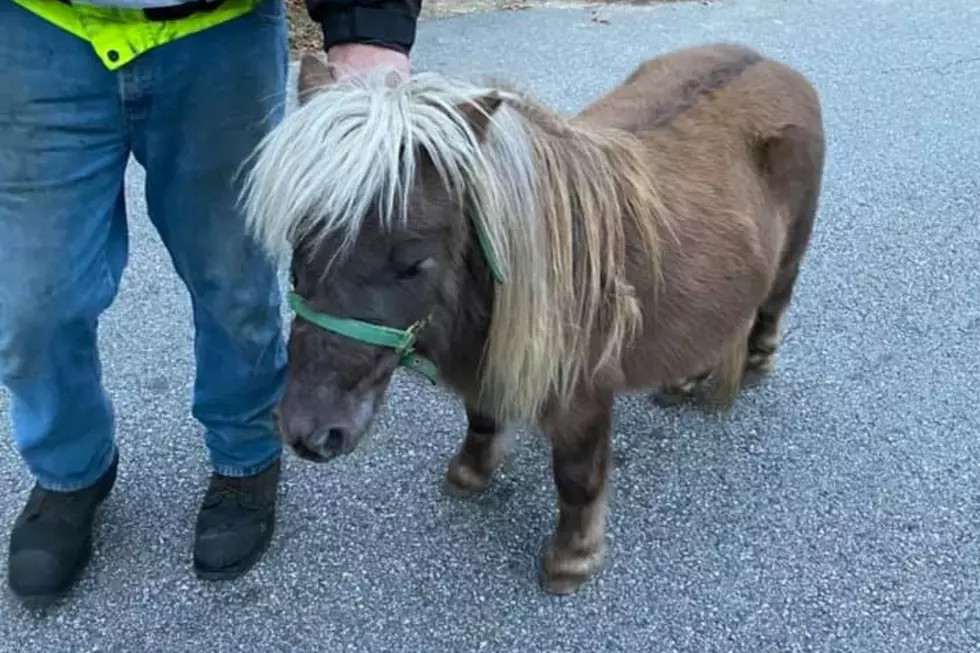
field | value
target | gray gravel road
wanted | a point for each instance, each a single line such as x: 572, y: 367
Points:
x: 836, y: 510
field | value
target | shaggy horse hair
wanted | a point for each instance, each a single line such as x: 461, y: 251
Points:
x: 543, y: 264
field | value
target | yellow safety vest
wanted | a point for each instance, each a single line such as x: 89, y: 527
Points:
x: 120, y: 35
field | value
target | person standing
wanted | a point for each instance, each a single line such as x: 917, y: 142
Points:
x: 188, y: 88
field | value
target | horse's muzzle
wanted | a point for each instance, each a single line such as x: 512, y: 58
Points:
x: 325, y: 448
x: 321, y: 426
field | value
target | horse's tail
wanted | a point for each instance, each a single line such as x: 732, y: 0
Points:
x: 730, y: 370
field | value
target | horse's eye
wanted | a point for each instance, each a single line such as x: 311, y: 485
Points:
x: 411, y: 271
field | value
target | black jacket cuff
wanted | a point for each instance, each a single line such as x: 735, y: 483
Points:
x: 389, y: 23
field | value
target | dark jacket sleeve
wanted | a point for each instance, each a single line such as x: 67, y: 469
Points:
x: 386, y: 23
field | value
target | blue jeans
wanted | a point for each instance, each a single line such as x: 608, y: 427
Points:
x: 190, y: 112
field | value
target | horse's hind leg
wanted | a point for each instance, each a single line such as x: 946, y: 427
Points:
x: 481, y: 453
x: 580, y: 441
x: 795, y: 162
x: 680, y: 391
x: 765, y: 335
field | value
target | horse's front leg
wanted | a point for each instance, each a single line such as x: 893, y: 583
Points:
x: 479, y: 456
x: 580, y: 440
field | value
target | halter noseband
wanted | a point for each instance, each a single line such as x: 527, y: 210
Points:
x: 402, y: 341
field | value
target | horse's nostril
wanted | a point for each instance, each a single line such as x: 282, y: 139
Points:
x: 325, y: 445
x: 306, y: 453
x: 334, y: 442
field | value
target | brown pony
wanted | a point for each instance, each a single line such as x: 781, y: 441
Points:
x: 537, y: 265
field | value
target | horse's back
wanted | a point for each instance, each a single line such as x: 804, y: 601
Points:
x: 719, y: 85
x: 715, y: 120
x: 729, y: 131
x: 721, y: 119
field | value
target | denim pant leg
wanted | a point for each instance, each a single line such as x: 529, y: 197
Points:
x: 198, y: 108
x: 63, y: 244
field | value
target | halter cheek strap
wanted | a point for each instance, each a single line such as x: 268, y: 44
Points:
x: 403, y: 341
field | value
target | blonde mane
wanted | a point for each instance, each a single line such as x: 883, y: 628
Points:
x: 555, y: 197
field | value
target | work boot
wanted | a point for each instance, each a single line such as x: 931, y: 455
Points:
x: 51, y: 541
x: 235, y: 524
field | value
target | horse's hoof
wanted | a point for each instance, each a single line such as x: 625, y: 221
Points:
x: 461, y: 481
x: 760, y: 364
x: 563, y: 573
x: 674, y: 396
x: 685, y: 391
x: 666, y: 399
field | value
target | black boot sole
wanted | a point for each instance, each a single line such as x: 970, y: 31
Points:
x: 42, y: 601
x: 240, y: 568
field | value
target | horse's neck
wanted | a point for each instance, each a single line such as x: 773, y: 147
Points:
x: 459, y: 354
x: 619, y: 154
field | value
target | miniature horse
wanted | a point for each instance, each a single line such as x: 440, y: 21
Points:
x: 535, y: 264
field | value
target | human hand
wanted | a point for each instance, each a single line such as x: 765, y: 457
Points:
x: 358, y: 58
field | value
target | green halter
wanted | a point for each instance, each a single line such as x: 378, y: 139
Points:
x: 401, y: 340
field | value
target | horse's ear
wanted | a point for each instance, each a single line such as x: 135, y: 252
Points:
x: 314, y: 73
x: 479, y: 113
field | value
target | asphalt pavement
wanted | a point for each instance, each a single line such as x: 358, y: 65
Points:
x: 836, y: 510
